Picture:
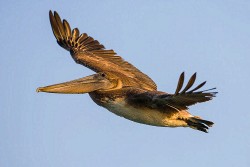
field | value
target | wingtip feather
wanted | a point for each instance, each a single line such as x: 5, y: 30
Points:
x: 180, y: 83
x: 190, y: 83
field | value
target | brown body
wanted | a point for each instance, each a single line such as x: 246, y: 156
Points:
x: 125, y: 103
x: 123, y: 89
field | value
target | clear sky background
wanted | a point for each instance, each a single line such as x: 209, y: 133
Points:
x: 162, y: 38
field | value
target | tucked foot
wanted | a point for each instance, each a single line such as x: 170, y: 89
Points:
x: 199, y: 124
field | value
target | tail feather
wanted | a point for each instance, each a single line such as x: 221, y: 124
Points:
x: 199, y: 124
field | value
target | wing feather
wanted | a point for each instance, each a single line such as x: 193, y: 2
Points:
x: 59, y: 25
x: 75, y: 35
x: 180, y: 83
x: 67, y: 29
x: 190, y: 83
x: 197, y: 87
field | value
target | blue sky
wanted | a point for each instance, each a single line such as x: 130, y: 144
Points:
x: 162, y: 38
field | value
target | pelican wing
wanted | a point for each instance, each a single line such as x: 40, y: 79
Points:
x: 90, y: 53
x: 171, y: 103
x: 182, y: 99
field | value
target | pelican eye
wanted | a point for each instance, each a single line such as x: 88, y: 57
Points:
x: 103, y: 75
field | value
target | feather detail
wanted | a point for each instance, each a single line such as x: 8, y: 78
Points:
x: 180, y: 83
x: 190, y: 83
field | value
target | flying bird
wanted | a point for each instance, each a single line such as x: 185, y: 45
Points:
x: 123, y: 89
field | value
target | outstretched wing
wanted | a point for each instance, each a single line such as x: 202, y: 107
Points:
x: 90, y: 53
x: 182, y: 99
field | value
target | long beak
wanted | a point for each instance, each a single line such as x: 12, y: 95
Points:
x: 78, y: 86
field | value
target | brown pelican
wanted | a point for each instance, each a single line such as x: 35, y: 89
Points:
x: 123, y: 89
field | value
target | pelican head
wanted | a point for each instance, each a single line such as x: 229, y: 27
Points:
x: 103, y: 81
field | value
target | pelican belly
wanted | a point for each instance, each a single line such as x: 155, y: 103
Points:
x: 141, y: 115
